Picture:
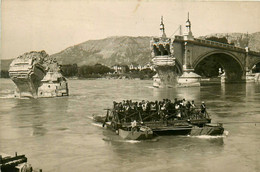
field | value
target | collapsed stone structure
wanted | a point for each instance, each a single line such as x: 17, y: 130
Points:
x: 36, y: 74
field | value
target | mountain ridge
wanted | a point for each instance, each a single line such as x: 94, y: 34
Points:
x: 127, y: 49
x: 108, y: 51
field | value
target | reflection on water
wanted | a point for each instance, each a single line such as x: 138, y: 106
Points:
x: 189, y: 93
x: 58, y: 134
x: 35, y: 113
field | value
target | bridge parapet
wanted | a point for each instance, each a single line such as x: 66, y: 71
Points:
x: 178, y: 37
x: 214, y: 43
x: 227, y: 46
x: 211, y: 44
x: 254, y: 53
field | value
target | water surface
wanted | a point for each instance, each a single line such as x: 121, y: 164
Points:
x: 58, y: 134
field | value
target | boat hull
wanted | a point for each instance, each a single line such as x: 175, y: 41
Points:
x: 135, y: 135
x: 175, y: 127
x: 207, y: 130
x: 190, y: 130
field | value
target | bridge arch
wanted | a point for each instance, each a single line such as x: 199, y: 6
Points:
x: 257, y: 62
x: 233, y: 67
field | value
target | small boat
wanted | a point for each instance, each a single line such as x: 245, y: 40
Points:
x: 137, y: 133
x: 211, y: 130
x: 17, y: 163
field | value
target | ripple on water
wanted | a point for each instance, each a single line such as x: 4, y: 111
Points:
x: 57, y: 132
x: 8, y: 96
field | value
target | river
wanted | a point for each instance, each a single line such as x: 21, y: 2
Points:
x: 58, y: 134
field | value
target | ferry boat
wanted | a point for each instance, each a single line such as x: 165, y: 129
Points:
x: 161, y: 122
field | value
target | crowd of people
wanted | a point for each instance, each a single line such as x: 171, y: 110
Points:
x: 158, y: 110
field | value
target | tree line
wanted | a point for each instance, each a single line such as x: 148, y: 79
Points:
x: 99, y: 71
x: 4, y: 74
x: 85, y: 71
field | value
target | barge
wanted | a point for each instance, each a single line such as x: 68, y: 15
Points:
x: 161, y: 121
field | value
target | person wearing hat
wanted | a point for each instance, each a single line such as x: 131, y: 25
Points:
x: 203, y: 108
x: 193, y: 104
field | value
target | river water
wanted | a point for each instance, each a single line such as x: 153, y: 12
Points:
x: 58, y: 134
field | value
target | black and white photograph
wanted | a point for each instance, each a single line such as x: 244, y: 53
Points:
x: 129, y: 86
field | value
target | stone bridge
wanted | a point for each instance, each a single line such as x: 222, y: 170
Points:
x: 235, y: 61
x: 184, y: 53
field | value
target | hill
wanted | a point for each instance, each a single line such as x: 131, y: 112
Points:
x: 108, y: 51
x: 127, y: 50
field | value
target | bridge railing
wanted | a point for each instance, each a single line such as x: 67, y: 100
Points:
x: 214, y: 43
x: 254, y: 53
x: 219, y: 44
x: 178, y: 37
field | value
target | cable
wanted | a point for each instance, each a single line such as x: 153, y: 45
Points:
x: 175, y: 31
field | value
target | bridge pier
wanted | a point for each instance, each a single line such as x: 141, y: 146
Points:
x: 166, y: 77
x: 189, y: 79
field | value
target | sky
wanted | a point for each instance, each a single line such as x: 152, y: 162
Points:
x: 53, y: 25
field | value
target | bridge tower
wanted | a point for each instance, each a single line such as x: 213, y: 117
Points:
x: 173, y: 68
x: 162, y: 30
x: 188, y: 78
x: 188, y: 34
x: 163, y: 59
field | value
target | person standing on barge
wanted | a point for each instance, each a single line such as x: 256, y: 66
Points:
x: 203, y: 109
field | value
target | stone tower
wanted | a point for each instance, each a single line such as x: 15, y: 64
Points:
x: 163, y: 59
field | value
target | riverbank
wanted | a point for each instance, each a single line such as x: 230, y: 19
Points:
x: 110, y: 77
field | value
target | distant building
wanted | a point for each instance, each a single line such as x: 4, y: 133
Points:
x: 148, y: 66
x: 133, y: 66
x: 119, y: 68
x: 141, y: 67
